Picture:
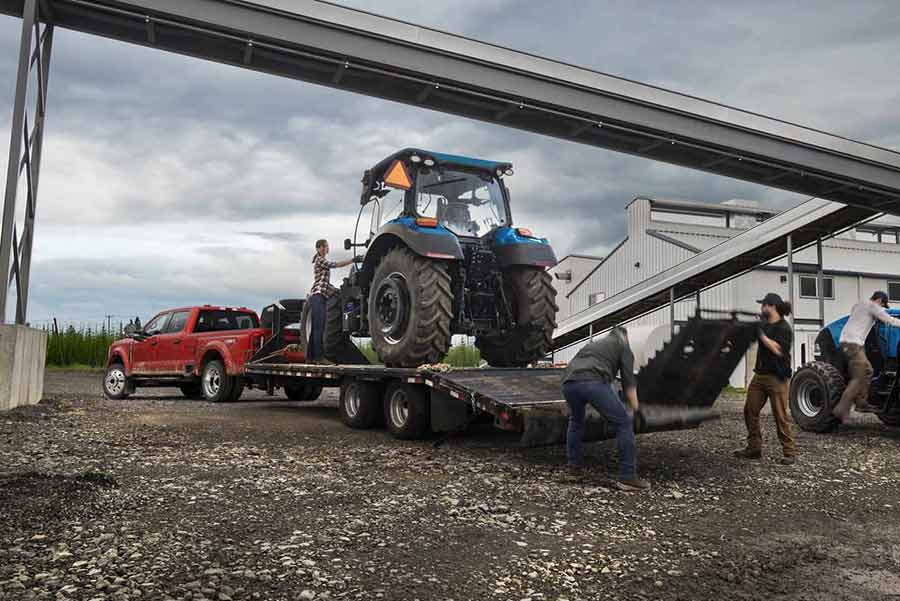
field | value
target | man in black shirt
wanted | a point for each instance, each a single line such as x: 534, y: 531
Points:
x: 771, y: 380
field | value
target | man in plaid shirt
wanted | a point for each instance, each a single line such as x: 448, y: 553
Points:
x: 321, y: 290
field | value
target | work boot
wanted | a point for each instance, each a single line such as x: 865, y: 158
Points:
x: 633, y: 484
x: 788, y: 460
x: 748, y: 453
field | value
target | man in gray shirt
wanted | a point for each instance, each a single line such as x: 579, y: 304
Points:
x: 588, y: 379
x: 853, y: 341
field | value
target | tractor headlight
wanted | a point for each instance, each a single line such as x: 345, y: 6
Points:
x: 429, y: 162
x: 415, y: 158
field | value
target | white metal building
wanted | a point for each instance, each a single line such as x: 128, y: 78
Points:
x: 662, y: 233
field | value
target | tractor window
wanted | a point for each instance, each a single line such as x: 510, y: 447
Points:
x: 391, y: 204
x: 469, y: 204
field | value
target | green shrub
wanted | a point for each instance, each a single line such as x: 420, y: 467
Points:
x: 73, y: 347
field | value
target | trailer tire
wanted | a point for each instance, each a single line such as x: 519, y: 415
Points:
x: 815, y: 390
x: 307, y: 391
x: 410, y: 309
x: 217, y: 384
x: 193, y: 390
x: 407, y: 411
x: 360, y: 404
x: 532, y: 297
x: 116, y: 385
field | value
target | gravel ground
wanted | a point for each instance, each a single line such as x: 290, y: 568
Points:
x: 162, y: 498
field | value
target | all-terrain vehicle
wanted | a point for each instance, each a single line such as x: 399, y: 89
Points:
x: 442, y: 258
x: 817, y: 387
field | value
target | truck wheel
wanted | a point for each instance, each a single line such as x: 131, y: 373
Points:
x: 407, y: 411
x: 532, y: 297
x: 302, y: 392
x: 194, y: 390
x: 890, y: 419
x: 410, y: 307
x: 217, y: 384
x: 115, y: 384
x: 815, y: 390
x: 360, y: 404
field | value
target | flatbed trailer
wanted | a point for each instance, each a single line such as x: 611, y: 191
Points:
x: 416, y: 403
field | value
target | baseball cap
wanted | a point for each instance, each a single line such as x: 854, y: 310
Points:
x: 770, y: 299
x: 880, y: 295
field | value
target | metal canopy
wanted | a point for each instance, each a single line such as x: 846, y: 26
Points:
x: 356, y: 51
x: 768, y: 241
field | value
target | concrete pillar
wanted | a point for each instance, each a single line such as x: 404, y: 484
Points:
x: 23, y: 352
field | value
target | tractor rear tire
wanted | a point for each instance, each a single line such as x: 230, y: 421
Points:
x: 410, y: 308
x: 532, y: 297
x: 816, y: 389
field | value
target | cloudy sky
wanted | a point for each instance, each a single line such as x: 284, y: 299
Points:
x: 172, y: 181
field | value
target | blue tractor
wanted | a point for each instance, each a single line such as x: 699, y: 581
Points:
x: 817, y: 387
x: 442, y: 257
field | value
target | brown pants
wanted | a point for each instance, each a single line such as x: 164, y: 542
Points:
x: 857, y: 391
x: 764, y: 387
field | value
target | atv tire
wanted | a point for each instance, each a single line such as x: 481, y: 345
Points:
x: 410, y: 308
x: 532, y: 299
x: 816, y: 389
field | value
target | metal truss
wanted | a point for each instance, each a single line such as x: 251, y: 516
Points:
x: 26, y: 140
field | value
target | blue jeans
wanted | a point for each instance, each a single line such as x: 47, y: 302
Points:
x: 314, y: 347
x: 605, y: 400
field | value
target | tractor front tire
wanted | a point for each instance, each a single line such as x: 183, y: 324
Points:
x: 410, y: 308
x: 816, y: 389
x: 532, y: 299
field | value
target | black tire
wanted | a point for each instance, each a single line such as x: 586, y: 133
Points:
x: 532, y: 297
x: 890, y: 419
x: 305, y: 326
x: 237, y: 389
x: 335, y: 339
x: 192, y: 390
x: 116, y: 385
x: 816, y: 389
x: 216, y: 383
x: 306, y: 391
x: 407, y: 411
x: 360, y: 404
x: 410, y: 308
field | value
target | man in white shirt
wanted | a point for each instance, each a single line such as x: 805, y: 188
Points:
x: 853, y: 341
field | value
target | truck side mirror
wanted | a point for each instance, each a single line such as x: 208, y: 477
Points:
x: 348, y: 244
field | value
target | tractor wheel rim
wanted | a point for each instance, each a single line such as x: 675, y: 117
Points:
x: 392, y: 307
x: 115, y: 381
x: 212, y: 381
x: 399, y: 409
x: 809, y: 399
x: 351, y: 403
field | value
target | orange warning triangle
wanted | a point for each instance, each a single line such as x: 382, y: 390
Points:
x: 397, y: 177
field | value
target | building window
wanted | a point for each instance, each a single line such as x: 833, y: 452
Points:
x: 894, y: 291
x: 596, y: 297
x: 709, y: 219
x: 808, y: 287
x: 866, y: 236
x: 889, y: 237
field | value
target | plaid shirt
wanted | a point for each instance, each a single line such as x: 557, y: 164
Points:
x: 322, y: 276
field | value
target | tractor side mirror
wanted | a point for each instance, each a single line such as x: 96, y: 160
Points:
x: 348, y: 244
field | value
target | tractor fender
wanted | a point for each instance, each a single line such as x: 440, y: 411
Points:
x: 431, y: 242
x: 511, y: 248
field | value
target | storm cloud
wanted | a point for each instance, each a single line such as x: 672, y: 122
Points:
x: 172, y: 181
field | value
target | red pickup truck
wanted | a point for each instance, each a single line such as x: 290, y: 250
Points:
x: 201, y: 350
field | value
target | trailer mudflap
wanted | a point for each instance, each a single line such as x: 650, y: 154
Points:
x: 547, y: 428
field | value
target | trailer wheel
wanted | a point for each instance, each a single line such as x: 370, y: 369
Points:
x: 890, y: 419
x: 217, y: 384
x: 410, y: 308
x: 532, y: 297
x: 360, y: 404
x: 115, y: 384
x: 815, y: 390
x: 407, y: 411
x: 306, y: 391
x: 193, y: 390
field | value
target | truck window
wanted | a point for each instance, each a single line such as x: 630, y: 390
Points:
x: 178, y: 321
x: 156, y: 324
x: 213, y: 320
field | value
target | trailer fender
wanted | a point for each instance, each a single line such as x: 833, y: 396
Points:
x: 447, y: 413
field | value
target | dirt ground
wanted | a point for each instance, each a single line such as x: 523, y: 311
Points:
x: 157, y: 497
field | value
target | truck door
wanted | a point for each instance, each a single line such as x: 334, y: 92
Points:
x: 174, y: 350
x: 144, y: 352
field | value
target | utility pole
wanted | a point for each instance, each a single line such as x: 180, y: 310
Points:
x: 108, y: 324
